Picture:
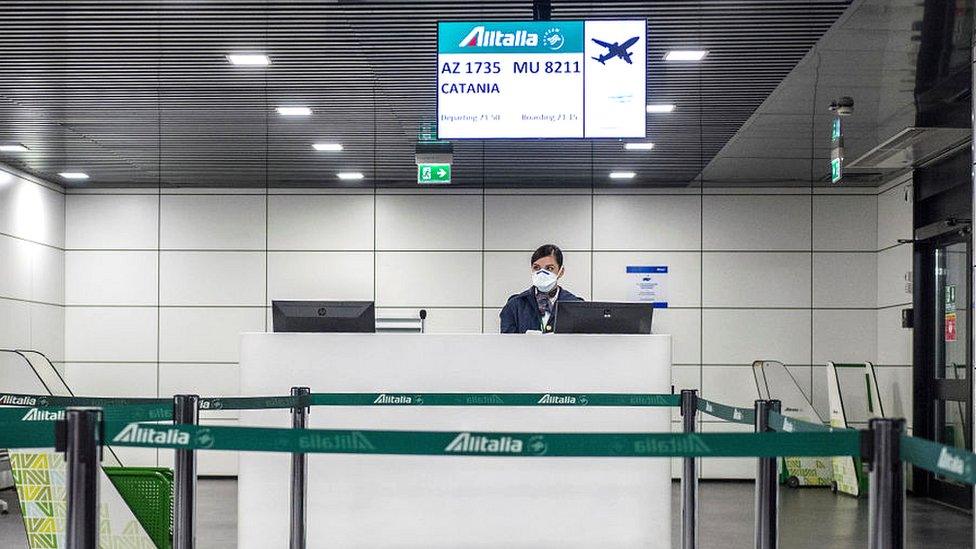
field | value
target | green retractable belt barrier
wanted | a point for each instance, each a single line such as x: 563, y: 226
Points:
x: 746, y: 416
x: 354, y: 399
x: 786, y: 424
x: 494, y: 399
x: 943, y: 460
x: 340, y: 441
x: 131, y: 412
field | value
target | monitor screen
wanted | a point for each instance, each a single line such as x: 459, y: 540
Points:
x: 323, y: 316
x: 603, y: 317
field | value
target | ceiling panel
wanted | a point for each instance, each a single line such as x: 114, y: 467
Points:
x: 139, y: 93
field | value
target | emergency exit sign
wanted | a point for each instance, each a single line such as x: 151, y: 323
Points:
x: 433, y: 174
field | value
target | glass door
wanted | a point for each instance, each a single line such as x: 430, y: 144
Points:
x: 945, y: 395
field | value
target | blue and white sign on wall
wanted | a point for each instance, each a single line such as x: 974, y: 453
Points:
x: 649, y: 283
x: 541, y: 79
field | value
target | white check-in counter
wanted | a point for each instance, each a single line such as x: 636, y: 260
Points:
x: 449, y: 502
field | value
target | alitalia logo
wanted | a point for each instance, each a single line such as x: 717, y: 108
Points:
x: 135, y: 433
x: 484, y: 400
x: 395, y: 399
x: 737, y: 414
x: 466, y: 443
x: 341, y: 442
x: 562, y: 399
x: 950, y: 463
x: 674, y: 445
x: 479, y: 37
x: 34, y: 414
x: 16, y: 400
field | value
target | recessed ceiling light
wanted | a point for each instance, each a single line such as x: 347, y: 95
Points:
x: 660, y: 107
x: 638, y: 146
x: 13, y: 148
x: 350, y: 175
x: 685, y: 55
x: 622, y: 175
x: 249, y: 59
x: 328, y: 147
x: 294, y: 111
x: 74, y: 175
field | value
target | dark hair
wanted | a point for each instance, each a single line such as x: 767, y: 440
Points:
x: 547, y: 250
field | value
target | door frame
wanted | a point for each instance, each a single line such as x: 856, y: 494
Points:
x: 926, y: 388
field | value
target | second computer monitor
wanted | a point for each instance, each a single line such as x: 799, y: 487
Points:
x: 323, y: 316
x: 603, y: 317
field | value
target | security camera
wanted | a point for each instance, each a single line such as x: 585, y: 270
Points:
x: 843, y: 106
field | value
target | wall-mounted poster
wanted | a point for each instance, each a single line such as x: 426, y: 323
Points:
x: 649, y: 284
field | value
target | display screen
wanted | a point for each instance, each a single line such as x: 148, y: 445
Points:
x: 541, y: 79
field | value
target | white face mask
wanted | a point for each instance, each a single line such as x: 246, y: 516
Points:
x: 544, y: 280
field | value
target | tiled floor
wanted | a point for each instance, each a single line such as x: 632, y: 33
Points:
x: 810, y: 519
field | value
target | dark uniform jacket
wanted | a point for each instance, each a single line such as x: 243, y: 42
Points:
x: 521, y: 313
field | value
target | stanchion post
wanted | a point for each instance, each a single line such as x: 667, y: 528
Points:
x: 80, y: 438
x: 767, y: 489
x: 186, y: 411
x: 299, y: 473
x: 886, y: 507
x: 689, y: 475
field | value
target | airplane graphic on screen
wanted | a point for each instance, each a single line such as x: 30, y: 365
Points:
x: 615, y: 50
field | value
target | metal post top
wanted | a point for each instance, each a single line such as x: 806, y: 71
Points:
x: 886, y: 423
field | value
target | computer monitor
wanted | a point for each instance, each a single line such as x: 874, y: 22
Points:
x: 323, y: 316
x: 603, y: 317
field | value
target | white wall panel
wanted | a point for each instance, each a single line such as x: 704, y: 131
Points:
x: 740, y: 336
x: 111, y: 379
x: 844, y: 336
x: 32, y: 212
x: 845, y: 279
x: 337, y: 276
x: 845, y: 222
x: 110, y: 278
x: 732, y: 385
x: 428, y: 279
x: 756, y: 279
x: 894, y: 216
x: 332, y: 222
x: 493, y: 324
x: 894, y: 342
x: 112, y: 221
x: 16, y: 257
x: 428, y: 222
x: 47, y: 330
x: 110, y: 334
x: 655, y: 222
x: 212, y: 278
x: 684, y: 325
x: 612, y: 283
x: 441, y: 321
x: 509, y: 273
x: 203, y: 334
x: 14, y: 324
x: 218, y: 222
x: 756, y: 222
x: 893, y: 264
x: 47, y: 280
x: 525, y: 222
